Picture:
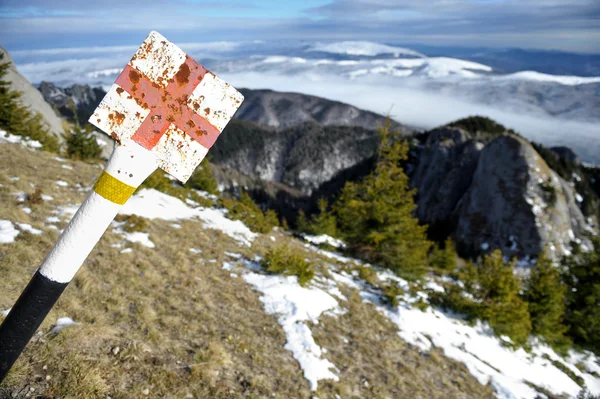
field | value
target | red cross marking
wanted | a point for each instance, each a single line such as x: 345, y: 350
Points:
x: 168, y: 105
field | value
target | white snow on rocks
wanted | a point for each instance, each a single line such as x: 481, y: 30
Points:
x: 8, y: 233
x: 296, y: 306
x: 153, y: 204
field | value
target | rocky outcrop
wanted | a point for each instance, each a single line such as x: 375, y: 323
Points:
x: 443, y: 174
x: 83, y: 98
x: 495, y: 195
x: 31, y: 97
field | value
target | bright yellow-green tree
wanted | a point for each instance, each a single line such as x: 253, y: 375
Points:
x: 375, y: 215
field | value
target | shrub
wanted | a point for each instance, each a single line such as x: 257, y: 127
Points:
x: 158, y: 180
x: 499, y: 291
x: 444, y: 258
x: 248, y: 212
x: 545, y: 294
x: 82, y: 145
x: 18, y: 120
x: 582, y: 277
x: 548, y: 192
x: 323, y: 222
x: 376, y: 215
x: 368, y: 274
x: 133, y: 223
x: 585, y: 394
x: 491, y: 292
x: 390, y: 294
x: 283, y: 260
x: 479, y: 124
x: 202, y: 179
x: 34, y: 198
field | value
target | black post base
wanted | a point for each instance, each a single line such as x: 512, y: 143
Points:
x: 25, y: 317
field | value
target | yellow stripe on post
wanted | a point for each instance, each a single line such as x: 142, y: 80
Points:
x: 113, y: 189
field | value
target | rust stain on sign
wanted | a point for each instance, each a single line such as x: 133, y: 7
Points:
x: 169, y: 104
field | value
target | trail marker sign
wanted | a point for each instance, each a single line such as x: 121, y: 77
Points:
x: 164, y: 111
x: 169, y: 104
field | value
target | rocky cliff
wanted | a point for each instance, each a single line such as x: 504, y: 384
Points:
x: 31, y: 97
x: 485, y: 186
x: 496, y: 192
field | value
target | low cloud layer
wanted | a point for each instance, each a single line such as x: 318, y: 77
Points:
x: 425, y: 109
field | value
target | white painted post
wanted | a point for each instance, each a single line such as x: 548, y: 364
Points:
x: 165, y: 111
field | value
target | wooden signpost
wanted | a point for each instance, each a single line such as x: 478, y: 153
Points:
x: 164, y: 111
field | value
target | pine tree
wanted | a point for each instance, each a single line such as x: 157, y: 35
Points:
x: 202, y: 179
x: 247, y: 211
x: 444, y: 258
x: 302, y: 222
x: 583, y: 298
x: 498, y: 292
x: 82, y: 145
x: 376, y: 218
x: 17, y: 119
x: 545, y: 294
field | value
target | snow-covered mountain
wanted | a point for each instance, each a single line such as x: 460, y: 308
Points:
x: 414, y: 88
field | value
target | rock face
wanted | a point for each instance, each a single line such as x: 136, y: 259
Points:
x: 282, y: 110
x: 495, y: 194
x: 303, y: 157
x: 84, y: 98
x: 31, y: 97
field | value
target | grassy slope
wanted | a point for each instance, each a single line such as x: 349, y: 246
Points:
x: 166, y: 322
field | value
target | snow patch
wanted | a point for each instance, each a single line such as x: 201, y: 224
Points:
x: 6, y: 137
x: 139, y: 237
x: 295, y: 306
x: 324, y: 239
x: 61, y: 323
x: 29, y: 228
x: 153, y: 204
x: 8, y: 233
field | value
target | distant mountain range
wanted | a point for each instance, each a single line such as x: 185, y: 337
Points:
x: 549, y: 97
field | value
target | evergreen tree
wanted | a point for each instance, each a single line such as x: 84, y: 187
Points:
x: 302, y: 222
x: 583, y: 298
x: 247, y: 211
x: 376, y: 218
x: 498, y: 293
x: 202, y: 179
x: 16, y: 119
x: 82, y: 145
x: 324, y: 222
x: 444, y: 258
x: 545, y: 294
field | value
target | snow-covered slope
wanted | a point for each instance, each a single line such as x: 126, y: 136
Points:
x: 543, y: 77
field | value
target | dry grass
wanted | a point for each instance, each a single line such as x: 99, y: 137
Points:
x: 168, y: 323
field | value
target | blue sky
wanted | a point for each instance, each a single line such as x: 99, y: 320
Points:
x: 571, y: 25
